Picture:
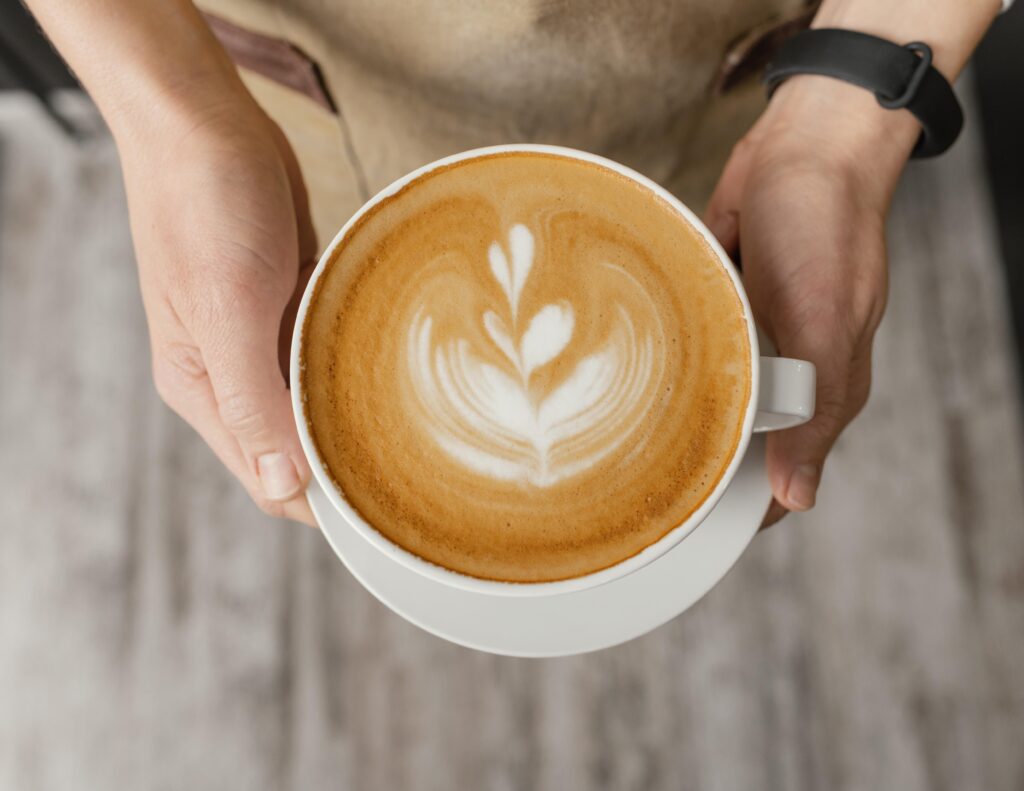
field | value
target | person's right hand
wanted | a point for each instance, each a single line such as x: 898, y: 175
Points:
x: 225, y: 246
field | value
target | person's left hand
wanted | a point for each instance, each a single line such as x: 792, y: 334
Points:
x: 802, y: 205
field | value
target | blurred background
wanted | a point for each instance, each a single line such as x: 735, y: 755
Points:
x: 156, y: 631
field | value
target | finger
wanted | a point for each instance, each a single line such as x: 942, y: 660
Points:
x: 201, y: 413
x: 300, y: 198
x: 776, y: 512
x: 239, y: 341
x: 723, y: 210
x: 184, y: 384
x: 288, y: 318
x: 796, y: 456
x: 307, y: 245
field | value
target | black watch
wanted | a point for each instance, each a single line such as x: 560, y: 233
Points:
x: 900, y: 77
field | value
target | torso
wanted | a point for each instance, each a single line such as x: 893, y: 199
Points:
x: 626, y: 79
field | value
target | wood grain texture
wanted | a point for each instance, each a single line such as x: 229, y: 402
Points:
x: 157, y: 632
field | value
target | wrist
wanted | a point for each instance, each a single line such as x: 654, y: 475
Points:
x: 842, y: 128
x: 157, y: 105
x: 153, y: 68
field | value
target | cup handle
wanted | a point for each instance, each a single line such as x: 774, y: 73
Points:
x: 786, y: 396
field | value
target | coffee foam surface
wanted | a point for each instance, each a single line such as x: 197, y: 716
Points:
x: 525, y: 367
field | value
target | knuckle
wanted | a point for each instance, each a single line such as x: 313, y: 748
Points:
x: 242, y: 416
x: 859, y: 394
x: 178, y: 369
x: 223, y: 297
x: 868, y: 297
x: 831, y: 413
x: 815, y: 331
x: 868, y: 313
x: 838, y: 404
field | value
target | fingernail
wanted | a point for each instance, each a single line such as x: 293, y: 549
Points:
x: 278, y: 476
x: 803, y: 487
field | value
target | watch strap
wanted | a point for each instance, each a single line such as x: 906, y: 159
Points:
x: 899, y: 76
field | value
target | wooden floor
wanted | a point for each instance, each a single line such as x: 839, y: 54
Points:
x: 156, y: 632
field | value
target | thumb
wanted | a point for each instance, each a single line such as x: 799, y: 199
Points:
x: 796, y: 456
x: 253, y: 400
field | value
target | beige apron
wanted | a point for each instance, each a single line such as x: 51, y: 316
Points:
x: 367, y: 90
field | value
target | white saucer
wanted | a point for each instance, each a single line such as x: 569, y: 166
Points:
x: 570, y: 623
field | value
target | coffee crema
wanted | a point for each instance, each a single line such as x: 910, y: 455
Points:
x: 525, y: 367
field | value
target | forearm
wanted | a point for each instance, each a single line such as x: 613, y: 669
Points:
x: 952, y: 28
x: 146, y: 63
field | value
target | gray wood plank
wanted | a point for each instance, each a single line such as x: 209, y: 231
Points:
x: 157, y: 632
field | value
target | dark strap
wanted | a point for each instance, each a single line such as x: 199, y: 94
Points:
x: 900, y: 77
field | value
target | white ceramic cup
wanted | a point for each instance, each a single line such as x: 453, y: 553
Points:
x: 781, y: 396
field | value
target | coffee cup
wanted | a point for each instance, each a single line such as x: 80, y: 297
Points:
x: 780, y: 394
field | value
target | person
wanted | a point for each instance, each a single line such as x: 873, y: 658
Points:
x: 226, y: 203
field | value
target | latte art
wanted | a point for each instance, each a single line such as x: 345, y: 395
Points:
x: 524, y: 367
x: 495, y: 419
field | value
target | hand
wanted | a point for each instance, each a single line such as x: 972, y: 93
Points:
x: 802, y: 202
x: 225, y: 246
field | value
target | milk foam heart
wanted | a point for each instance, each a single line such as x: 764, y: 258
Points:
x: 495, y: 420
x: 524, y: 367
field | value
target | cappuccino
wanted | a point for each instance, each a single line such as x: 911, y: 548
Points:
x: 525, y: 367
